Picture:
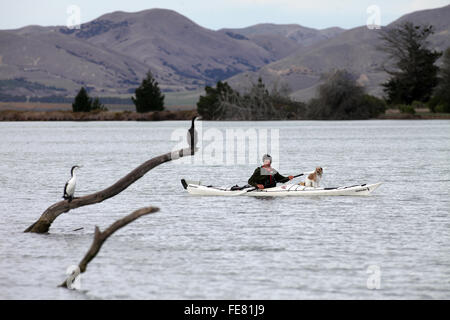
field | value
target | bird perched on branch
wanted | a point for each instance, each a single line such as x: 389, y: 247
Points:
x: 69, y: 188
x: 192, y: 136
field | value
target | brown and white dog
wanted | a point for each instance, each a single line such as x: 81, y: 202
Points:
x: 313, y: 179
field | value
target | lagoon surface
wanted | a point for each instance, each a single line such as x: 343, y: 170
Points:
x: 397, y: 239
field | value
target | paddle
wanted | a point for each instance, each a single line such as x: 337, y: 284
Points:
x: 283, y: 181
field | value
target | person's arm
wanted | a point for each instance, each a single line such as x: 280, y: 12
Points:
x: 280, y: 178
x: 253, y: 181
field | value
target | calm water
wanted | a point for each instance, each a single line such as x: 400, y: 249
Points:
x: 230, y: 248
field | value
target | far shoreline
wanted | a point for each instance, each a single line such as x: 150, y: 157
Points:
x: 169, y: 115
x: 22, y: 115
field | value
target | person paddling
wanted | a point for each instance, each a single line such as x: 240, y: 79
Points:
x: 266, y: 176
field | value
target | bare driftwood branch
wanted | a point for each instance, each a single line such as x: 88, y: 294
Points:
x: 49, y: 215
x: 100, y: 237
x: 43, y: 224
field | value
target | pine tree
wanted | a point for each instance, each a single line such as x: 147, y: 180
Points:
x: 207, y: 105
x: 213, y: 105
x: 82, y: 102
x: 414, y: 74
x: 148, y: 95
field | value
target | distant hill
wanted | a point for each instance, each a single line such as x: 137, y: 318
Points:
x: 300, y: 35
x: 111, y: 54
x: 50, y: 58
x: 354, y: 50
x: 282, y: 40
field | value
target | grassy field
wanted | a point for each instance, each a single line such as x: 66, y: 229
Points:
x: 38, y: 106
x: 184, y: 99
x: 174, y: 101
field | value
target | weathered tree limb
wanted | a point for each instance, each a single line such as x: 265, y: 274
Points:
x: 49, y: 215
x: 100, y: 237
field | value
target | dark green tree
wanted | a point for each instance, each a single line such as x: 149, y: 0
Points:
x: 210, y: 106
x: 82, y: 102
x: 207, y: 105
x: 413, y: 74
x: 148, y: 95
x: 441, y: 98
x: 341, y: 98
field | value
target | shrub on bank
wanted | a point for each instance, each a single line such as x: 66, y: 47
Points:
x: 443, y: 108
x: 405, y: 108
x: 341, y: 98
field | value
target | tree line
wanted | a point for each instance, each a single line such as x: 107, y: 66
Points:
x: 414, y: 81
x: 339, y: 98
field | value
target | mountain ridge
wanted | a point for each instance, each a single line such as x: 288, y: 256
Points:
x: 112, y: 53
x: 354, y: 49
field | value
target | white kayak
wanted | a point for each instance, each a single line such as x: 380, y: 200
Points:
x: 195, y: 188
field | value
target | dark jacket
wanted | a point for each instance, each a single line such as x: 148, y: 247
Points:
x: 266, y: 178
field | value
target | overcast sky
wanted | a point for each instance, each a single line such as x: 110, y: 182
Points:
x: 217, y: 14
